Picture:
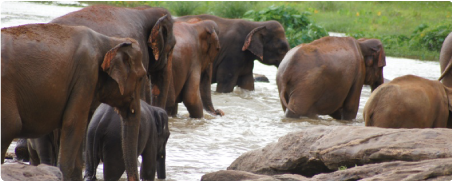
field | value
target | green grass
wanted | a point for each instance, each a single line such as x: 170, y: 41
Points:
x: 376, y: 19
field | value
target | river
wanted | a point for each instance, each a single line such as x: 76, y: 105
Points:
x: 253, y: 118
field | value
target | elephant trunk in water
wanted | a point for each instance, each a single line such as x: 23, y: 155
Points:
x: 130, y: 128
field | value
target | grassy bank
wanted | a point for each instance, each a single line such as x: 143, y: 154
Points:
x: 407, y: 29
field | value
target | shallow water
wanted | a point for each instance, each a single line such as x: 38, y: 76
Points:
x: 253, y: 118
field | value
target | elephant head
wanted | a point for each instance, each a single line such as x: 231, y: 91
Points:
x: 268, y: 42
x: 161, y: 41
x: 121, y: 90
x: 374, y: 59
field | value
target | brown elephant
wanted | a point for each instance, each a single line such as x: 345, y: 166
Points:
x: 242, y: 42
x: 325, y: 77
x: 151, y: 27
x: 410, y: 102
x: 196, y: 48
x: 445, y: 61
x: 52, y: 73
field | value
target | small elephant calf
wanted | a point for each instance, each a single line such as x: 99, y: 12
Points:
x: 410, y: 102
x: 103, y: 142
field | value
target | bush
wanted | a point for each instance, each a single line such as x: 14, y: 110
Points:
x: 231, y: 9
x: 182, y: 8
x: 431, y: 39
x: 299, y: 28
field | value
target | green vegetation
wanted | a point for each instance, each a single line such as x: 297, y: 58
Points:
x: 407, y: 29
x: 299, y: 28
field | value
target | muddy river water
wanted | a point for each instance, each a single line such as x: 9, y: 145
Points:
x: 253, y: 118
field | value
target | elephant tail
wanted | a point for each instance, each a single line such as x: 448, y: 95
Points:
x: 446, y: 70
x: 283, y: 99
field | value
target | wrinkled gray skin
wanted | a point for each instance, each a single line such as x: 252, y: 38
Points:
x: 241, y: 43
x: 151, y: 27
x: 44, y: 149
x: 52, y: 73
x: 104, y: 143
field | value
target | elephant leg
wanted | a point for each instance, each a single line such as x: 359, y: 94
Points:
x: 226, y: 80
x: 246, y: 82
x: 21, y: 150
x: 149, y: 160
x: 73, y: 130
x: 113, y: 162
x: 92, y: 159
x: 44, y: 149
x: 351, y: 104
x: 301, y: 105
x: 34, y: 156
x: 192, y: 97
x: 11, y: 123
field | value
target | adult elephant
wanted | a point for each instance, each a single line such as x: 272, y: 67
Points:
x: 52, y: 73
x: 151, y: 27
x: 410, y: 102
x: 196, y: 48
x: 325, y: 77
x: 445, y: 61
x: 242, y: 42
x: 104, y: 143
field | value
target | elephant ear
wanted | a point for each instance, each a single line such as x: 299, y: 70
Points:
x: 372, y: 50
x: 254, y: 42
x: 213, y: 39
x: 116, y: 64
x: 157, y: 38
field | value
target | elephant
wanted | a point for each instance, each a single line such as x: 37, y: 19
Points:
x: 241, y: 43
x: 151, y: 27
x: 104, y: 143
x: 410, y: 102
x: 196, y: 48
x: 445, y: 61
x: 52, y: 73
x: 325, y: 77
x: 44, y: 149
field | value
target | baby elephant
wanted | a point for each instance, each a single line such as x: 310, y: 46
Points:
x: 410, y: 102
x: 103, y: 142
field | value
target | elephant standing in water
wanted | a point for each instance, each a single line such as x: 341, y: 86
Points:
x: 196, y: 48
x: 104, y: 143
x: 52, y: 73
x: 242, y: 42
x: 326, y: 76
x: 151, y: 27
x: 410, y: 102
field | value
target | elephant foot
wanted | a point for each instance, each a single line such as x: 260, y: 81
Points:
x: 89, y: 178
x: 219, y: 112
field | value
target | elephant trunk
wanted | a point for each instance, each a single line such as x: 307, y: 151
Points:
x: 161, y: 167
x: 130, y: 127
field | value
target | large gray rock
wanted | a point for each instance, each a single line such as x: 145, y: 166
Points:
x: 435, y: 169
x: 324, y: 149
x: 228, y: 175
x: 25, y: 172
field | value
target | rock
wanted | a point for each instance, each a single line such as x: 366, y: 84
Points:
x: 227, y: 175
x: 25, y: 172
x: 260, y: 78
x: 324, y: 149
x: 435, y: 169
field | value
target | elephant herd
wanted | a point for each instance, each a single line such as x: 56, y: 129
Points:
x: 99, y: 83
